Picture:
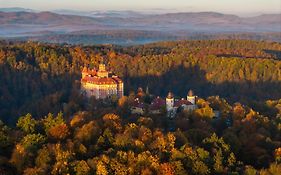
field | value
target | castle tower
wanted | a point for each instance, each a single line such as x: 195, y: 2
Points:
x: 102, y: 71
x: 191, y: 97
x: 170, y: 101
x: 102, y: 67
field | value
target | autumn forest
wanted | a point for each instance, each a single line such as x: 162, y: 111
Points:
x: 47, y: 126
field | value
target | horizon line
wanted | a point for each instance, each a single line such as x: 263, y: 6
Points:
x: 145, y: 10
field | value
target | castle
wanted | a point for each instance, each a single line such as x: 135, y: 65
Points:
x: 100, y: 83
x: 170, y: 104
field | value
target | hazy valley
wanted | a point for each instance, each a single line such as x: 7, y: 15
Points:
x: 129, y: 27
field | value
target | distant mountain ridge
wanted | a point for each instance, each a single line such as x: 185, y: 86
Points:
x: 43, y: 18
x: 183, y: 19
x: 16, y: 23
x: 16, y: 9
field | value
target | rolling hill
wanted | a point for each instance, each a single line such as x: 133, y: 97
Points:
x: 44, y: 24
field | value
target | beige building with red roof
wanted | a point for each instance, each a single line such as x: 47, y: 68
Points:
x: 170, y: 104
x: 101, y: 83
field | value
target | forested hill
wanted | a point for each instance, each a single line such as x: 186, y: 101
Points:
x: 41, y: 78
x: 48, y: 127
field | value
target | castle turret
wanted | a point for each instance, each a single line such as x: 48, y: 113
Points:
x: 170, y: 101
x: 191, y: 97
x: 102, y: 71
x: 102, y: 67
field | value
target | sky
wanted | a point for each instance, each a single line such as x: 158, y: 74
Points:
x: 225, y: 6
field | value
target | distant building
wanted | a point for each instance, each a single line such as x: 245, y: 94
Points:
x: 174, y: 105
x: 190, y: 97
x: 157, y: 106
x: 170, y: 101
x: 137, y: 107
x: 101, y: 83
x: 170, y: 104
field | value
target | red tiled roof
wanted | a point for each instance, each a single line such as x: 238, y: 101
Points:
x: 138, y: 104
x: 182, y: 102
x: 99, y: 80
x: 93, y: 78
x: 157, y: 103
x: 92, y: 72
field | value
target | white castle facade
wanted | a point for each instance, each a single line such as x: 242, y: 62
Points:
x: 100, y: 83
x: 172, y: 105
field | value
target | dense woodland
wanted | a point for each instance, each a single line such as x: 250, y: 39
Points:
x: 41, y: 78
x: 50, y: 128
x: 108, y: 140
